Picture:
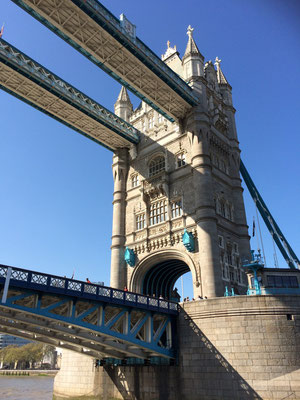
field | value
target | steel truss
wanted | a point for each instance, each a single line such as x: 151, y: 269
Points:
x: 99, y: 35
x: 31, y: 82
x: 87, y: 318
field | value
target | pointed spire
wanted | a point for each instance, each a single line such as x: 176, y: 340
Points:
x: 191, y: 48
x: 123, y: 105
x: 220, y: 76
x: 123, y: 95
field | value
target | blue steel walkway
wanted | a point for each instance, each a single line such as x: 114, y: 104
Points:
x: 88, y: 318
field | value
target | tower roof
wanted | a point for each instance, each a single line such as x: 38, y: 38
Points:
x: 123, y: 96
x: 191, y: 48
x: 220, y: 76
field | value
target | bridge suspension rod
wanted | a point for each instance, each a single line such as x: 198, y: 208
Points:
x: 283, y: 245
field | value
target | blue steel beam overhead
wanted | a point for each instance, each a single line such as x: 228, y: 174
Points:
x: 31, y: 82
x: 85, y: 317
x: 113, y: 46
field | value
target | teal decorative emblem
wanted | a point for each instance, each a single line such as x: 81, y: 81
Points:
x: 129, y: 256
x: 188, y: 241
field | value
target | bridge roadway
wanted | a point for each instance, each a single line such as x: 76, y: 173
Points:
x: 113, y: 46
x: 34, y: 84
x: 84, y: 317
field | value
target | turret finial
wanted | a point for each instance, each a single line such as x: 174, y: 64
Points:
x: 217, y: 62
x: 190, y: 31
x: 168, y: 43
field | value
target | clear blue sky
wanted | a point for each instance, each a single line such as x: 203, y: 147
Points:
x: 56, y: 186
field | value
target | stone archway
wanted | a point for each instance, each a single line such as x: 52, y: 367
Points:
x: 157, y: 273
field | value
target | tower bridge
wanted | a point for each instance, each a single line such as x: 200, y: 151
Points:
x: 178, y: 206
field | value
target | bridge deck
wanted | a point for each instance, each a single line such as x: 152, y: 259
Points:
x: 112, y: 45
x: 95, y: 320
x: 31, y: 82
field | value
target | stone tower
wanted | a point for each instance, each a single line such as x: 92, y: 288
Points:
x: 178, y: 202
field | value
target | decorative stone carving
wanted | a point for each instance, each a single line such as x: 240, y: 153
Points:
x: 156, y: 186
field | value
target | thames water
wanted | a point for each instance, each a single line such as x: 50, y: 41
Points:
x: 26, y: 388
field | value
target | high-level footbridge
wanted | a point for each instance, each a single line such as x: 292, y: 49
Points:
x: 84, y: 317
x: 113, y: 46
x: 32, y: 83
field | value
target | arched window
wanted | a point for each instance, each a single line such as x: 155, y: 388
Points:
x: 134, y: 180
x: 180, y: 160
x: 156, y: 165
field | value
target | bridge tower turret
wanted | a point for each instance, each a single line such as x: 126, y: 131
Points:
x: 123, y: 105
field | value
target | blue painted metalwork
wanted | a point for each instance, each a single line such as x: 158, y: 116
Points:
x: 254, y: 265
x: 107, y: 21
x: 129, y: 257
x: 54, y: 284
x: 18, y: 61
x: 143, y: 326
x: 283, y: 245
x: 188, y: 241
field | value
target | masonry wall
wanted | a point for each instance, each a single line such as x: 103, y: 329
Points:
x: 245, y: 347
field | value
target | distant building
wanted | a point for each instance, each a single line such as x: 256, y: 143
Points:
x: 8, y: 340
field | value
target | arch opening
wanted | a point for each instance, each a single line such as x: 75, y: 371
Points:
x: 159, y: 280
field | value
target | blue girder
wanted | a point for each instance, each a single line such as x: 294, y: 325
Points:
x: 106, y: 322
x: 287, y: 252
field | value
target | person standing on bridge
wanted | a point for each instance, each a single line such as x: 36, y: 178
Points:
x: 88, y: 281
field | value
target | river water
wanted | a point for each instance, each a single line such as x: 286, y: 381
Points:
x: 26, y: 388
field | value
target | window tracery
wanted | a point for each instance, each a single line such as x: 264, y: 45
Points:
x: 158, y: 212
x: 176, y: 208
x: 156, y: 165
x: 180, y: 159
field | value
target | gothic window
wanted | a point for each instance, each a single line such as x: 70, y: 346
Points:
x: 222, y: 208
x: 151, y: 122
x: 235, y: 248
x: 224, y: 267
x: 176, y: 209
x: 144, y: 126
x: 229, y: 254
x: 221, y: 241
x: 156, y: 165
x: 135, y: 181
x: 227, y: 211
x: 180, y: 160
x: 160, y: 118
x: 140, y: 221
x: 158, y: 212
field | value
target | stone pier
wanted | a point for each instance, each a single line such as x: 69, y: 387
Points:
x: 244, y: 347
